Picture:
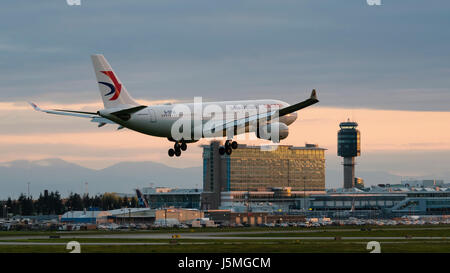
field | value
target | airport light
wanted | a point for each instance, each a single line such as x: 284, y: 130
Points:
x: 165, y: 217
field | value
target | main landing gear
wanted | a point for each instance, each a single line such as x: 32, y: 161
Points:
x: 228, y: 147
x: 177, y: 148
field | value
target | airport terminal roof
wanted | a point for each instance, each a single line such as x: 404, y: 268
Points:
x: 170, y: 191
x: 84, y: 214
x: 269, y: 147
x: 127, y: 210
x: 390, y: 189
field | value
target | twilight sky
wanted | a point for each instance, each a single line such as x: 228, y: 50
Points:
x: 386, y: 67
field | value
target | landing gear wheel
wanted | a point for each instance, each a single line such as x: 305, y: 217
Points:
x: 227, y: 143
x: 171, y: 152
x: 221, y: 150
x: 176, y: 146
x: 183, y: 146
x: 177, y: 152
x: 228, y: 150
x: 234, y: 145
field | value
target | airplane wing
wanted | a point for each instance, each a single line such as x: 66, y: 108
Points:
x: 298, y: 106
x: 93, y: 116
x: 267, y: 116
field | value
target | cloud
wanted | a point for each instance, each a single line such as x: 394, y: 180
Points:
x: 386, y: 58
x: 364, y: 61
x: 20, y: 48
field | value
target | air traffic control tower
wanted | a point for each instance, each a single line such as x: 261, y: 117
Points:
x: 349, y: 147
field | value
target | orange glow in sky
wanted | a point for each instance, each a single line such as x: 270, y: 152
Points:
x: 27, y: 134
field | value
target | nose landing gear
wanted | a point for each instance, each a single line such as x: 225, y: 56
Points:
x: 177, y: 148
x: 228, y: 147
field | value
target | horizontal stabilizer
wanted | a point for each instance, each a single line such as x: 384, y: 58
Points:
x: 125, y: 114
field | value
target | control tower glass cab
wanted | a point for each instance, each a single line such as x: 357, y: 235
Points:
x: 349, y: 146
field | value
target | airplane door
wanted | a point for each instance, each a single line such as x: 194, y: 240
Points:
x: 152, y: 115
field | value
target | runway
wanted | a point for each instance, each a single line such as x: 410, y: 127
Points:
x: 8, y: 240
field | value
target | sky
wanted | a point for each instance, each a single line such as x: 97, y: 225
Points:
x: 386, y: 67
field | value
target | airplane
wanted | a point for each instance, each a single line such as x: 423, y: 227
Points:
x: 270, y: 123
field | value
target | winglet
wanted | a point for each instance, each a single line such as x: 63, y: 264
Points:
x: 35, y: 107
x: 314, y: 95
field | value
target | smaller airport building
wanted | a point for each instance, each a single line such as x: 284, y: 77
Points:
x: 162, y: 197
x: 131, y: 216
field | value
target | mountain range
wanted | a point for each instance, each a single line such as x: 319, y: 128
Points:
x: 56, y: 174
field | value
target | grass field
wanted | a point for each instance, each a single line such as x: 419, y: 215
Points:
x: 224, y: 229
x: 373, y: 233
x: 245, y: 240
x: 243, y: 247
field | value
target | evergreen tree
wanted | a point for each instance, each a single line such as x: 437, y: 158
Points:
x: 134, y: 202
x: 56, y: 205
x: 74, y: 202
x: 26, y: 205
x: 87, y: 201
x: 97, y: 202
x: 125, y: 202
x: 12, y: 206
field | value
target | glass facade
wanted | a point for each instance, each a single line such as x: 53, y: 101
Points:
x: 174, y: 199
x: 251, y: 168
x: 255, y: 169
x: 349, y: 143
x: 349, y: 140
x: 360, y: 201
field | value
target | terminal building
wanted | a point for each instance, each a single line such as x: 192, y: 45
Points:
x: 162, y: 197
x: 262, y: 173
x: 422, y: 183
x: 383, y: 201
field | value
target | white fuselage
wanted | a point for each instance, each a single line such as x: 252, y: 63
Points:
x: 158, y: 120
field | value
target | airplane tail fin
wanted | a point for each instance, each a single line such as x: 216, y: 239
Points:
x: 113, y: 92
x: 141, y: 199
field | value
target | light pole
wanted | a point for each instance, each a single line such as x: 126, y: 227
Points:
x: 71, y: 211
x: 304, y: 194
x: 5, y: 211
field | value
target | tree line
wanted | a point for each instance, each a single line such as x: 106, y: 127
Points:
x: 52, y: 203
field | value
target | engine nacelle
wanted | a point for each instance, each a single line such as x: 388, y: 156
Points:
x: 279, y: 128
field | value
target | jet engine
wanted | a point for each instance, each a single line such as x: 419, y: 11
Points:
x: 269, y: 131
